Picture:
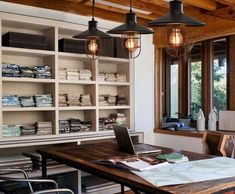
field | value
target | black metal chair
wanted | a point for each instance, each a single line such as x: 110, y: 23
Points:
x: 10, y: 175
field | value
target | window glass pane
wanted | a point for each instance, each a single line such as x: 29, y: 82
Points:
x: 219, y: 81
x: 174, y: 74
x: 196, y: 80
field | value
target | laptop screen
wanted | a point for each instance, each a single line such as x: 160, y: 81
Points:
x: 123, y: 139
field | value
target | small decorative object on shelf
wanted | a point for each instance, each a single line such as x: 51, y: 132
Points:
x: 212, y: 120
x: 200, y: 120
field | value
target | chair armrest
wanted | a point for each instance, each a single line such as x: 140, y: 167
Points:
x: 12, y: 171
x: 30, y: 180
x: 54, y: 191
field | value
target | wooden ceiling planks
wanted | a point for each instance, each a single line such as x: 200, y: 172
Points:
x: 217, y: 14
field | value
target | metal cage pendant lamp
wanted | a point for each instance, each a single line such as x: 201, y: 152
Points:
x: 93, y: 37
x: 131, y: 34
x: 176, y: 23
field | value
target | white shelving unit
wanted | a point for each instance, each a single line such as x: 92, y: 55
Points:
x: 55, y: 30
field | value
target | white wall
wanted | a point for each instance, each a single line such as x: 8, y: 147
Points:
x: 180, y: 142
x: 144, y: 64
x: 144, y: 90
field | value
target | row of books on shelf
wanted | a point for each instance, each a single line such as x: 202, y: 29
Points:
x: 38, y: 72
x: 38, y: 100
x: 38, y: 128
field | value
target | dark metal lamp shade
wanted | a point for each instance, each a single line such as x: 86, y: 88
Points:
x: 92, y: 32
x: 130, y: 26
x: 176, y: 17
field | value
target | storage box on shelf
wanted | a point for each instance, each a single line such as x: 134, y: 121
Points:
x: 43, y: 39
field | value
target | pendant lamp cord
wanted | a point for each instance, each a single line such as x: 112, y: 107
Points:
x: 131, y: 6
x: 93, y: 9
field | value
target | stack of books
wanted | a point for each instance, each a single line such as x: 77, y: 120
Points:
x: 16, y: 161
x: 36, y: 161
x: 43, y: 128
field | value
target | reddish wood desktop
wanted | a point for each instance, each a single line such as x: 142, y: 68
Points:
x: 81, y: 157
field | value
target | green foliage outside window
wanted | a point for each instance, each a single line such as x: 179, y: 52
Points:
x: 219, y: 87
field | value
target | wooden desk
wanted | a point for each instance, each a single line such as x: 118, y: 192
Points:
x: 81, y: 157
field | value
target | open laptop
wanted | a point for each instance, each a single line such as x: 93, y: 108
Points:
x: 125, y: 143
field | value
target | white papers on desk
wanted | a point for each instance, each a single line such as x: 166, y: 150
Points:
x: 190, y: 172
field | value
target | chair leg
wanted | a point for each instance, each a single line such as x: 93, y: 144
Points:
x: 122, y: 189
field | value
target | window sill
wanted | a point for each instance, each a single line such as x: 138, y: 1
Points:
x: 195, y: 134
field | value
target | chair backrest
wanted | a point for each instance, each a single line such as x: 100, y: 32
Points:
x: 215, y: 143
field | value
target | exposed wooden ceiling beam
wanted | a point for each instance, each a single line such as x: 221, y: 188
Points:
x: 161, y: 3
x: 84, y: 1
x: 226, y: 2
x: 123, y: 11
x: 203, y: 4
x: 226, y: 13
x: 76, y: 8
x: 143, y: 6
x: 75, y: 1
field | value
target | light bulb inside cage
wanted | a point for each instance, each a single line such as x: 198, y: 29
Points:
x: 93, y: 48
x: 176, y: 40
x: 132, y: 42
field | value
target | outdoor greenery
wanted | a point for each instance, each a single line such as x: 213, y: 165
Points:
x: 196, y: 89
x: 219, y: 87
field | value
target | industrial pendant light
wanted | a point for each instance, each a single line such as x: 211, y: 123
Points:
x: 131, y: 33
x: 176, y: 40
x: 93, y: 37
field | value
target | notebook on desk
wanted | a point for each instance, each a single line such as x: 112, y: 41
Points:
x: 125, y: 143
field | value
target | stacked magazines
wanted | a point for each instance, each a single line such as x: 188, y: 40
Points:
x: 36, y: 160
x: 16, y: 161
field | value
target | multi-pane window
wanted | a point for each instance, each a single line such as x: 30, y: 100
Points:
x: 198, y: 61
x: 219, y: 75
x: 195, y: 80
